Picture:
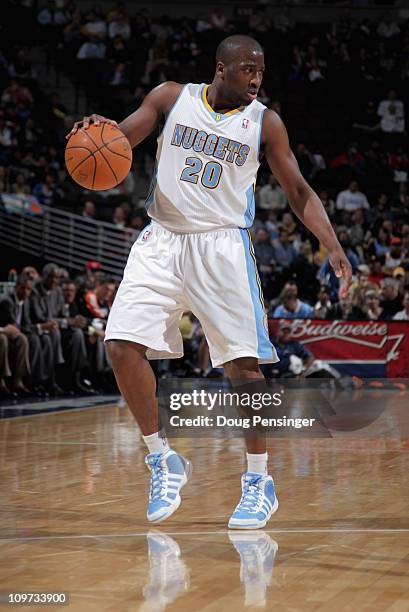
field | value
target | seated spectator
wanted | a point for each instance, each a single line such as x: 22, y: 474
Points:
x: 379, y: 212
x: 388, y: 28
x: 118, y: 52
x: 381, y: 245
x: 259, y: 21
x: 294, y: 357
x: 98, y: 301
x: 48, y: 306
x: 94, y: 336
x: 362, y: 273
x: 292, y: 307
x: 87, y: 279
x: 116, y: 11
x: 271, y: 196
x: 403, y: 315
x: 327, y: 202
x: 89, y: 210
x: 120, y: 26
x: 264, y: 252
x: 395, y: 256
x: 392, y: 113
x: 73, y: 30
x: 95, y: 25
x: 368, y: 121
x: 21, y: 185
x: 304, y: 271
x: 391, y: 302
x: 118, y: 76
x: 405, y: 241
x: 342, y: 310
x: 15, y: 319
x: 7, y: 134
x: 93, y: 48
x: 47, y: 192
x: 306, y: 161
x: 218, y: 21
x: 289, y: 225
x: 323, y: 305
x: 314, y: 71
x: 352, y: 158
x: 357, y: 231
x: 376, y: 273
x: 398, y: 162
x: 351, y: 199
x: 17, y: 94
x: 158, y: 58
x: 119, y: 218
x: 31, y: 272
x: 402, y: 195
x: 284, y: 252
x: 282, y: 21
x: 297, y: 68
x: 372, y: 310
x: 14, y: 362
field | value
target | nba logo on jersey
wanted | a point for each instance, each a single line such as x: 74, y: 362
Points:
x: 245, y: 124
x: 146, y: 235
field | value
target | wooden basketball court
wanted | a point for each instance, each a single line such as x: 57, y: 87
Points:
x: 73, y: 501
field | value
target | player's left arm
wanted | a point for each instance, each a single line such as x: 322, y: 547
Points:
x: 302, y: 198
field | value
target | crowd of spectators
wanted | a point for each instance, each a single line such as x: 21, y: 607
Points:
x: 375, y: 239
x: 52, y: 333
x: 340, y: 88
x: 32, y: 119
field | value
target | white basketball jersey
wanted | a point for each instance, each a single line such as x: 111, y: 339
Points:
x: 206, y: 165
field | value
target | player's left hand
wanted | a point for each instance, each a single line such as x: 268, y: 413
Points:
x: 343, y: 270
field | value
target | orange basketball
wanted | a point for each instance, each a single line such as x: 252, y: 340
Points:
x: 99, y: 157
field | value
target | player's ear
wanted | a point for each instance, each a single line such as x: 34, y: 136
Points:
x: 220, y: 69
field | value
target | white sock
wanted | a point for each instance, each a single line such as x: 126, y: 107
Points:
x: 157, y: 442
x: 257, y: 463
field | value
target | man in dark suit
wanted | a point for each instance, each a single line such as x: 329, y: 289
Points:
x: 48, y: 305
x: 20, y: 348
x: 100, y: 368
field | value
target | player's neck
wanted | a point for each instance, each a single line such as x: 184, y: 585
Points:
x: 218, y: 100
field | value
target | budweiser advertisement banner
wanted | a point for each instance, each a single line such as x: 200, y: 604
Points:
x: 369, y: 349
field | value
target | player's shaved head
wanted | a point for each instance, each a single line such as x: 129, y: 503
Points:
x: 239, y: 72
x: 230, y: 46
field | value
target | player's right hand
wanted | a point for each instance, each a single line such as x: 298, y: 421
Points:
x: 87, y: 121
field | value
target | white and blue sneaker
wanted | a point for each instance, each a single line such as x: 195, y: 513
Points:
x: 258, y: 502
x: 169, y: 473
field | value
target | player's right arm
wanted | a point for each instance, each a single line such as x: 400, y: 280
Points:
x: 145, y: 119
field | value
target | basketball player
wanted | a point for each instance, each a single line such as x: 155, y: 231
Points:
x: 197, y: 255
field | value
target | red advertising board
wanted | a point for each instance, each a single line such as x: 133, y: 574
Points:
x: 370, y: 349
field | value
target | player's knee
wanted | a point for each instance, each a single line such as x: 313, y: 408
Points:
x: 121, y: 351
x: 243, y: 367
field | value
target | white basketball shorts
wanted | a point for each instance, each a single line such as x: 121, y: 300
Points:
x: 211, y: 274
